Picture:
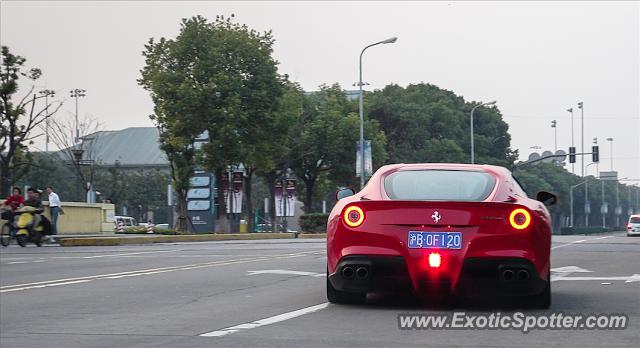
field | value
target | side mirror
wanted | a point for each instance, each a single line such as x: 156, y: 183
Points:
x: 344, y: 193
x: 547, y: 198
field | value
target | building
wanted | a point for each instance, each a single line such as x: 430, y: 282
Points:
x: 134, y: 147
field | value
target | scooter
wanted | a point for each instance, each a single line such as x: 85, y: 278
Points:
x: 30, y: 226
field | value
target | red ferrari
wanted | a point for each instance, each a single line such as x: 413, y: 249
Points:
x: 455, y: 229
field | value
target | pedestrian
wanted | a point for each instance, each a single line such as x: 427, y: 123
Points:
x: 55, y: 206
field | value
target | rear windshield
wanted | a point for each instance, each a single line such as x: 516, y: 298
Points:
x: 634, y: 220
x: 439, y: 185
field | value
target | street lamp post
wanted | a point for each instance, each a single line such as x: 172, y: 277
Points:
x: 47, y: 93
x: 554, y: 125
x: 360, y: 84
x: 473, y: 159
x: 611, y: 140
x: 571, y: 199
x: 603, y: 207
x: 587, y: 206
x: 76, y: 93
x: 570, y: 110
x: 581, y: 107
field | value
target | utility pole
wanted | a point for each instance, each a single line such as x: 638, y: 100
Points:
x: 570, y: 110
x: 581, y: 107
x: 47, y: 93
x: 611, y: 140
x: 361, y: 109
x: 76, y: 93
x: 554, y: 125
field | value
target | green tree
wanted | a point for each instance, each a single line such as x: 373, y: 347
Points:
x: 325, y: 140
x: 270, y: 155
x: 424, y: 123
x: 218, y: 77
x: 18, y: 118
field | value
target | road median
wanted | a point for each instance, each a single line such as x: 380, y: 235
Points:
x: 151, y: 239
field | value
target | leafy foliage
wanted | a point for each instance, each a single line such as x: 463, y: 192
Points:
x: 326, y: 137
x: 18, y: 119
x: 217, y: 77
x: 424, y: 123
x: 314, y: 222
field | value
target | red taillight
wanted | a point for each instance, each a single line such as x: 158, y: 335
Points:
x: 628, y: 226
x: 353, y: 216
x: 520, y: 219
x: 435, y: 260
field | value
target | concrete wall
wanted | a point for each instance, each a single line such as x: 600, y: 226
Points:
x: 84, y: 218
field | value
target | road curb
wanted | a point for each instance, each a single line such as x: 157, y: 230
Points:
x: 111, y: 241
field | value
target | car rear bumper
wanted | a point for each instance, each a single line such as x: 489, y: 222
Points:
x: 478, y: 277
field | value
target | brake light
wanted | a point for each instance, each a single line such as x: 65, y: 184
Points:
x: 353, y: 216
x: 628, y: 226
x: 435, y: 260
x: 520, y: 219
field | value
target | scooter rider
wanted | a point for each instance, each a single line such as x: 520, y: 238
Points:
x: 33, y: 200
x: 12, y: 203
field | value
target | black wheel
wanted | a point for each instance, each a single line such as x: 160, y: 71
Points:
x: 37, y: 239
x: 5, y: 235
x: 342, y: 297
x: 543, y: 299
x: 22, y: 240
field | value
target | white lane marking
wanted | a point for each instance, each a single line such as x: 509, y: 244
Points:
x: 124, y: 254
x: 579, y: 241
x: 17, y: 262
x: 602, y: 237
x: 46, y: 285
x: 570, y: 269
x: 570, y: 243
x: 561, y: 272
x: 119, y: 275
x: 628, y: 279
x: 285, y: 271
x: 266, y: 321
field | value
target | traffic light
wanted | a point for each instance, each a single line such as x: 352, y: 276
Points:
x: 595, y: 154
x: 572, y: 154
x: 553, y: 124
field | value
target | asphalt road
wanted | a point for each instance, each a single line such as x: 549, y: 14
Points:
x: 246, y: 294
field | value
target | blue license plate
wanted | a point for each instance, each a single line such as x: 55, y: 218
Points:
x: 435, y: 240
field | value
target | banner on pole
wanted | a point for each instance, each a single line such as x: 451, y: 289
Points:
x: 368, y: 164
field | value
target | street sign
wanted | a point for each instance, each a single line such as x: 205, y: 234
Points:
x: 609, y: 176
x: 547, y: 160
x: 562, y: 155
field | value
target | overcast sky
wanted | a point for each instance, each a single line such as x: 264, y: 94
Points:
x: 536, y: 59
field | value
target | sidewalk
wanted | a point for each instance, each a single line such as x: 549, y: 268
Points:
x: 122, y: 239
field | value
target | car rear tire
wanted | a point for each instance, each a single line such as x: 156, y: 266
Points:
x: 543, y: 299
x: 343, y: 297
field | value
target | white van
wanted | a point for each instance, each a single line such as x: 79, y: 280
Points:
x: 127, y: 221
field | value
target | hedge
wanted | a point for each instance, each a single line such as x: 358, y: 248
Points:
x: 584, y: 230
x: 314, y: 222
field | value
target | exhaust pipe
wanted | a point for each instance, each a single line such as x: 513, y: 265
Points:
x: 362, y: 273
x: 347, y: 272
x: 523, y: 274
x: 507, y: 275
